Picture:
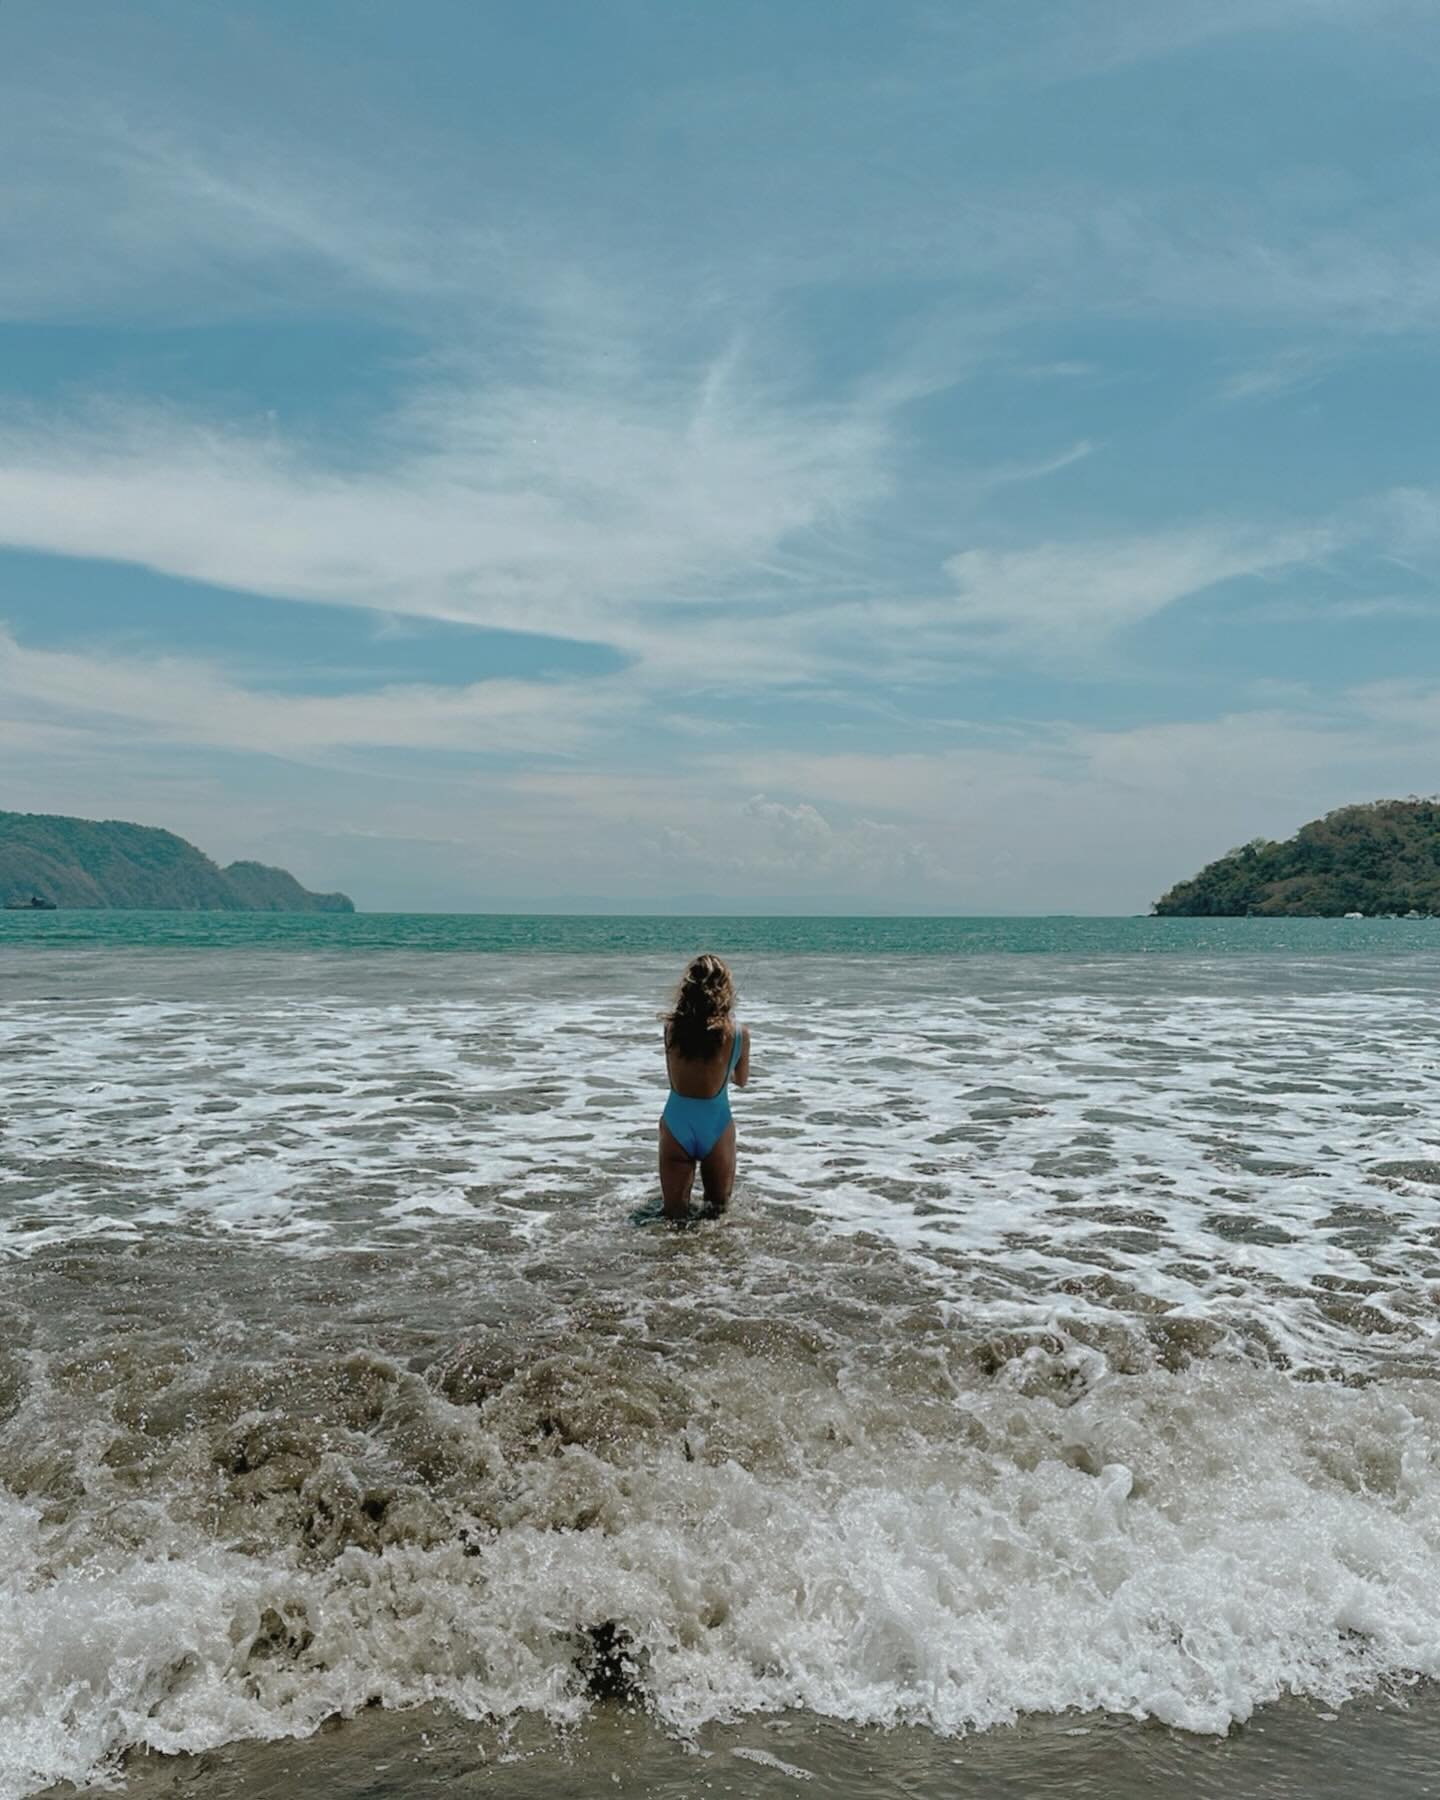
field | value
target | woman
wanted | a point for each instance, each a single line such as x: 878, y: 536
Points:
x: 705, y: 1047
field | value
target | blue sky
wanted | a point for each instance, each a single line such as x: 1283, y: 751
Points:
x: 907, y: 457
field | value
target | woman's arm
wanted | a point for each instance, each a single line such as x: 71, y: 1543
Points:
x: 742, y: 1068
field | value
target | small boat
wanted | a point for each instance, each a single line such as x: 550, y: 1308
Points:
x: 1354, y: 915
x: 36, y: 903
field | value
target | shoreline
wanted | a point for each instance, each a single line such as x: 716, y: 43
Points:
x: 1382, y: 1746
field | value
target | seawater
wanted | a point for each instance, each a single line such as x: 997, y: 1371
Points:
x: 1066, y: 1366
x: 607, y: 934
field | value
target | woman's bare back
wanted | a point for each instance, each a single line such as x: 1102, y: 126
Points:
x: 698, y: 1079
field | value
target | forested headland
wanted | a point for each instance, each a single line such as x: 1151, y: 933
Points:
x: 1378, y: 858
x: 109, y: 863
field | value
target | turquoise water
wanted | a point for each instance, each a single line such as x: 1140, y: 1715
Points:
x: 637, y: 935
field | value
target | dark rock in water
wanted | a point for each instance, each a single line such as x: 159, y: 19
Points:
x: 59, y: 861
x: 608, y: 1663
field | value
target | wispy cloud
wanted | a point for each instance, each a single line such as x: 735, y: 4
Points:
x: 212, y: 215
x: 101, y: 214
x: 1285, y: 372
x: 1069, y: 42
x: 690, y: 527
x: 1105, y: 820
x: 1007, y: 475
x: 1064, y: 598
x: 818, y: 443
x: 179, y: 700
x: 548, y: 507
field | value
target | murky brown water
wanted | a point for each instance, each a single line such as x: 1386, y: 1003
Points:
x: 1377, y: 1749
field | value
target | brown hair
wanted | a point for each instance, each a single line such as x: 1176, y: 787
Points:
x: 695, y: 1025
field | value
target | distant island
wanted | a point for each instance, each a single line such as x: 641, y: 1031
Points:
x: 49, y: 861
x: 1381, y: 858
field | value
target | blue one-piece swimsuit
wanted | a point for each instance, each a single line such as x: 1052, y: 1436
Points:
x: 698, y: 1125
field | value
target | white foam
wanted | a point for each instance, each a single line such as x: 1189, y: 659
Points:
x: 1059, y: 1148
x: 1067, y: 1156
x: 768, y: 1761
x: 1243, y: 1538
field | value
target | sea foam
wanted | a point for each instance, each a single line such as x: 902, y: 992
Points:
x: 1070, y: 1346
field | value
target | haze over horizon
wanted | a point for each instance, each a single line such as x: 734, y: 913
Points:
x: 935, y: 459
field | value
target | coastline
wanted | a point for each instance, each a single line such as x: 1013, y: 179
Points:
x: 1384, y: 1746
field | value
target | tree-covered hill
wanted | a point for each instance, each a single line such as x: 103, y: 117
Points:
x: 1383, y: 857
x: 263, y: 889
x: 89, y: 863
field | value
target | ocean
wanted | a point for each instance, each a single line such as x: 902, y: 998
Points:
x: 1056, y: 1410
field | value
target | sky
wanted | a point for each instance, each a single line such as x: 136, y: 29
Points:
x: 839, y: 456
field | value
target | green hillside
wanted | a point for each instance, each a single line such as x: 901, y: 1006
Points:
x: 89, y: 863
x: 263, y: 889
x: 1383, y: 857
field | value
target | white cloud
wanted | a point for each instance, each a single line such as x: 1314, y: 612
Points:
x: 1047, y: 817
x: 794, y: 832
x: 696, y: 828
x: 1404, y: 706
x: 1066, y: 597
x: 613, y: 433
x: 683, y: 523
x: 556, y: 507
x: 1065, y: 818
x: 594, y: 475
x: 1008, y: 474
x: 179, y: 700
x: 778, y: 844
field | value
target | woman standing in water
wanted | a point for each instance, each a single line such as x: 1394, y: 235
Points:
x: 705, y: 1046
